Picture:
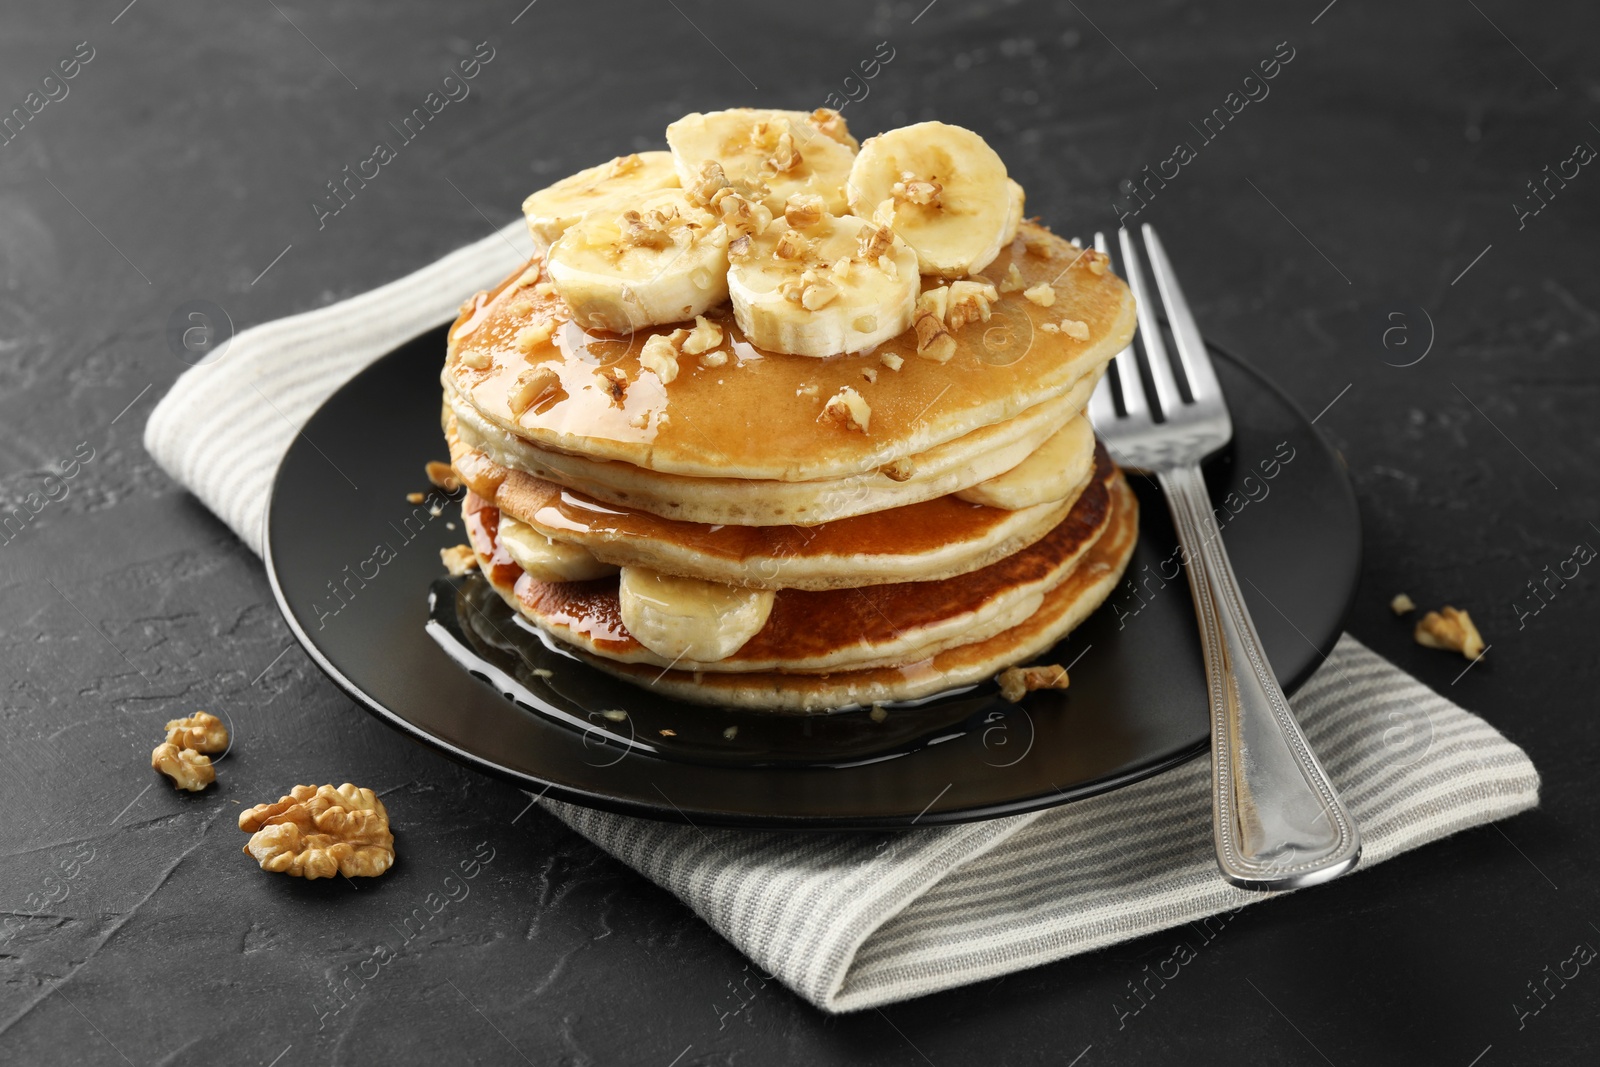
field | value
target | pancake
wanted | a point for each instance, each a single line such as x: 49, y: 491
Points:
x: 828, y: 630
x: 933, y: 539
x: 1061, y: 611
x: 735, y: 499
x: 757, y: 416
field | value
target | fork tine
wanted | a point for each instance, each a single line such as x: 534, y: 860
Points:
x: 1155, y: 349
x: 1185, y: 334
x: 1127, y: 364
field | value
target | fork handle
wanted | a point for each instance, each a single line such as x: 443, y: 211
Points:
x: 1277, y: 822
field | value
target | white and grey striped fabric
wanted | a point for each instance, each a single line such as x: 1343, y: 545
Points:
x: 851, y: 921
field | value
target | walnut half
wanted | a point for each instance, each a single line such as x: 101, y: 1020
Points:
x: 320, y: 831
x: 201, y: 731
x: 187, y: 768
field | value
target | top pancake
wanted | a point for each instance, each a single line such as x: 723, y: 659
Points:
x: 757, y: 416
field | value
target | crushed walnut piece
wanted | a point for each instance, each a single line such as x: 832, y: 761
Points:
x: 1402, y: 604
x: 814, y: 288
x: 1078, y: 331
x: 320, y: 831
x: 913, y: 190
x: 475, y: 358
x: 202, y: 731
x: 928, y: 320
x: 187, y: 768
x: 1095, y: 260
x: 705, y: 336
x: 970, y: 301
x: 847, y: 410
x: 804, y: 209
x: 703, y: 189
x: 1451, y: 629
x: 714, y: 359
x: 946, y: 308
x: 870, y: 374
x: 785, y: 156
x: 442, y: 475
x: 650, y: 229
x: 660, y: 355
x: 535, y: 334
x: 873, y: 243
x: 1012, y: 282
x: 615, y: 384
x: 459, y: 560
x: 899, y: 470
x: 828, y: 121
x: 793, y: 245
x: 1017, y: 682
x: 531, y: 387
x: 892, y: 361
x: 743, y: 216
x: 1042, y: 294
x: 415, y: 498
x: 531, y: 275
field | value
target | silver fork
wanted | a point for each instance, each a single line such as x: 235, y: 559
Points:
x: 1277, y: 822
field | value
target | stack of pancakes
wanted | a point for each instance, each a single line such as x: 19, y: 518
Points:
x: 735, y: 523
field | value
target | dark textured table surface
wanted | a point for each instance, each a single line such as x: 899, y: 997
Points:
x: 1364, y: 233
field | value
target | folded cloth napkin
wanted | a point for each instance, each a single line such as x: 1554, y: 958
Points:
x: 854, y: 920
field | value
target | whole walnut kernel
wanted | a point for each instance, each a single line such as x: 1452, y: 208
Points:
x: 187, y: 768
x: 201, y: 731
x: 320, y: 831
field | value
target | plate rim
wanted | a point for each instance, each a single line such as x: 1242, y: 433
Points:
x: 778, y: 821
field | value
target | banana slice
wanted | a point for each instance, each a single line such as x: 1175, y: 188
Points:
x: 1052, y: 472
x: 553, y: 209
x: 648, y: 259
x: 1013, y: 220
x: 788, y: 152
x: 687, y: 617
x: 547, y: 560
x: 840, y: 284
x: 952, y: 200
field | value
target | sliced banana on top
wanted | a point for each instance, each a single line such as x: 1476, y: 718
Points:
x: 547, y: 560
x: 951, y: 198
x: 1014, y: 219
x: 553, y: 209
x: 1051, y: 472
x: 689, y: 618
x: 649, y: 259
x: 832, y: 285
x: 788, y: 152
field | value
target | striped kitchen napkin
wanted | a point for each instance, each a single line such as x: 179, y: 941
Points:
x: 855, y: 920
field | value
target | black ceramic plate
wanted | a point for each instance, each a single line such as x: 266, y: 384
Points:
x: 356, y: 570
